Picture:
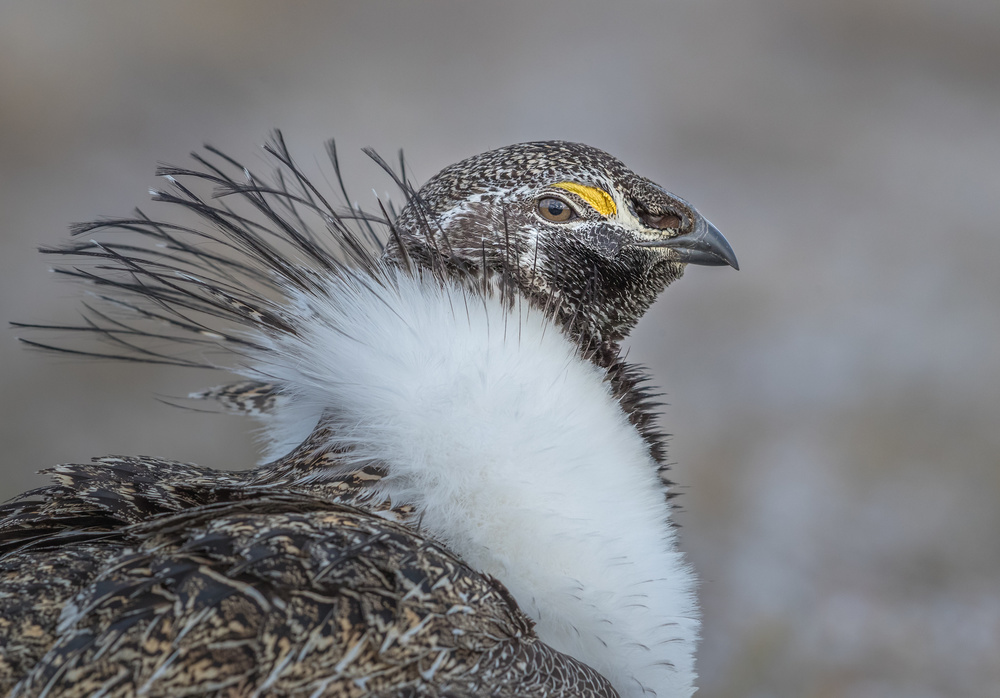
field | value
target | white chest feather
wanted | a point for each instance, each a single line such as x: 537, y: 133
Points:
x: 516, y: 455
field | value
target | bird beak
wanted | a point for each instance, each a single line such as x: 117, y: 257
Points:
x: 704, y: 245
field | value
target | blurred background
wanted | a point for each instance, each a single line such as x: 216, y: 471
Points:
x: 835, y: 404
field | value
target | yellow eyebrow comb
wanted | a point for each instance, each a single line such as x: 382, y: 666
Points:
x: 598, y: 199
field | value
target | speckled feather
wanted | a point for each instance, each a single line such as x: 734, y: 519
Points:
x: 281, y: 594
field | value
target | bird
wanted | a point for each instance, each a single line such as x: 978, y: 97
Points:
x: 463, y: 488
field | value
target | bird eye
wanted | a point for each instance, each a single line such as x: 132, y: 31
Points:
x: 555, y: 210
x: 664, y: 221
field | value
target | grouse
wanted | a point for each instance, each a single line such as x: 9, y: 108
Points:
x: 463, y: 488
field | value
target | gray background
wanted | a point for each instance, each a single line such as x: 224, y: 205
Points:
x: 835, y: 403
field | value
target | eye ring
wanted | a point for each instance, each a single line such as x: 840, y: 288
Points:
x: 556, y: 210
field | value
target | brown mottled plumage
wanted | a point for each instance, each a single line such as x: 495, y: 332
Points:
x: 286, y: 594
x: 142, y: 576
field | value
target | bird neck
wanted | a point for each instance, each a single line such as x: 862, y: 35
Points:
x: 592, y: 310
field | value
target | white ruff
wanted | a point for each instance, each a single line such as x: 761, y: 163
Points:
x: 513, y: 451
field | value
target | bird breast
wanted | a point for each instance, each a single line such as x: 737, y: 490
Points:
x: 512, y: 451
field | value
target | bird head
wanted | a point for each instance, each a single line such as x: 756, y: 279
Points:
x: 566, y: 225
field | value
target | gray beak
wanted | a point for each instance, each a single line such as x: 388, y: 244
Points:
x: 704, y: 245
